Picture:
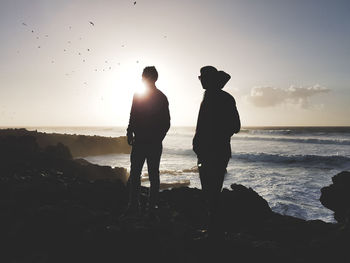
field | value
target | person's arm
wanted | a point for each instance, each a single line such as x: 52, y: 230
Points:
x: 131, y: 127
x: 235, y: 120
x: 165, y: 118
x: 195, y: 143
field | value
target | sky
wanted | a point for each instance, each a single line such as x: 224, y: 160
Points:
x: 289, y: 61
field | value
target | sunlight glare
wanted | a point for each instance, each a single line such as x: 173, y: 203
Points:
x: 139, y: 88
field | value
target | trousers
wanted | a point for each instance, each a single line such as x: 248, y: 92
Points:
x: 150, y: 152
x: 212, y: 174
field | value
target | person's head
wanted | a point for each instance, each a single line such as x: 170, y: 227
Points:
x: 212, y: 79
x: 150, y: 75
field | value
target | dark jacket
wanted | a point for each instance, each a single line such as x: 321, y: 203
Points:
x: 218, y: 120
x: 149, y: 117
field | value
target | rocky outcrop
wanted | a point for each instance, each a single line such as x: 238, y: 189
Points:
x: 79, y: 145
x: 336, y: 197
x: 22, y: 155
x: 56, y: 209
x: 244, y: 207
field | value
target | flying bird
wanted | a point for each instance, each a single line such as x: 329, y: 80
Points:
x: 88, y: 49
x: 92, y: 23
x: 32, y: 31
x: 135, y: 3
x: 24, y: 24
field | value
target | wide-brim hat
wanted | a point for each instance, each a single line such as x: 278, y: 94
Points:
x: 215, y: 79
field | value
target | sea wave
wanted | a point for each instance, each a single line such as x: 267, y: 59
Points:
x: 294, y: 140
x: 179, y: 172
x: 265, y: 131
x: 194, y: 169
x: 178, y: 151
x: 323, y: 131
x: 308, y: 160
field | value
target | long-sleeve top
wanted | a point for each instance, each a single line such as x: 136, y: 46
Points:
x: 149, y: 117
x: 218, y: 120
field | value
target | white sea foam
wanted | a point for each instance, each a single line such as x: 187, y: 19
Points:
x: 294, y: 140
x: 333, y: 161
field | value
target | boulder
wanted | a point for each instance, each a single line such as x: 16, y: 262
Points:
x: 336, y: 196
x: 243, y: 207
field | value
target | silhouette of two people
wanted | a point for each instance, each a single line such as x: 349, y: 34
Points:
x: 218, y: 120
x: 149, y: 122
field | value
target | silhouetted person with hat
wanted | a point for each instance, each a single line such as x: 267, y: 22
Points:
x: 218, y: 120
x: 149, y: 122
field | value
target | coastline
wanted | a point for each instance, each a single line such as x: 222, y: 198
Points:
x: 53, y: 211
x: 79, y: 145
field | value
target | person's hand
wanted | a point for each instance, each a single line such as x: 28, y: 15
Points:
x: 130, y: 139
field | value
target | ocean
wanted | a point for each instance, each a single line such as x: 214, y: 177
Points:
x: 287, y: 166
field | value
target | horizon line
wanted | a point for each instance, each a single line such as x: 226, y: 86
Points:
x: 175, y: 126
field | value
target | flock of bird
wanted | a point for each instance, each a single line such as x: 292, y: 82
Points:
x: 79, y: 53
x: 82, y: 55
x: 4, y: 111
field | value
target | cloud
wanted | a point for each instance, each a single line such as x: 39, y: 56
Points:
x: 270, y: 96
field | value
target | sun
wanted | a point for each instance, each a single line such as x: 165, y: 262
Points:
x: 117, y: 90
x: 129, y: 82
x: 139, y: 88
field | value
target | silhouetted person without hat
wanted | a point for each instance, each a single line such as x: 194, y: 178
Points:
x: 218, y: 120
x: 149, y: 122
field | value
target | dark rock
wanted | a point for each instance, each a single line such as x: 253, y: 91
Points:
x: 59, y: 151
x: 336, y: 197
x: 56, y: 209
x: 243, y: 207
x: 15, y: 149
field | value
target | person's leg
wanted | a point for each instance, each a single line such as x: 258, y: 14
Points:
x: 203, y: 168
x: 218, y: 175
x: 215, y: 174
x: 137, y: 159
x: 153, y: 160
x: 204, y: 176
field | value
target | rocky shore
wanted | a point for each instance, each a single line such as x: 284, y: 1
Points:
x: 79, y: 145
x: 57, y: 209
